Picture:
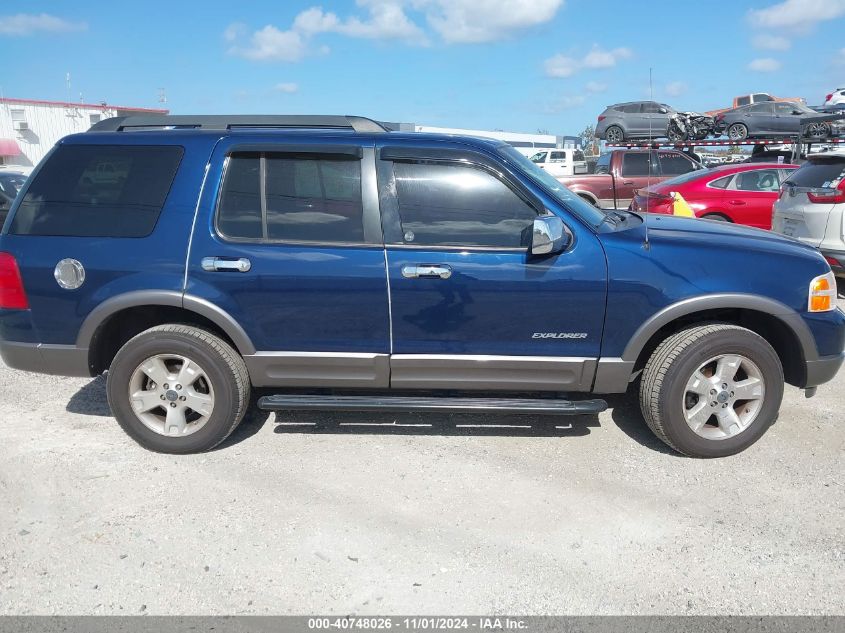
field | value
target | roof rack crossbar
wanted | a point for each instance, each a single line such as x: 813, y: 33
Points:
x: 228, y: 122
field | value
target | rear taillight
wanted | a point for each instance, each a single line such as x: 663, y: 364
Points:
x: 601, y: 118
x: 828, y: 97
x: 12, y: 294
x: 832, y: 261
x: 828, y: 196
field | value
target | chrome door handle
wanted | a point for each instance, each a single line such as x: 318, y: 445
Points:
x: 427, y: 271
x: 220, y: 264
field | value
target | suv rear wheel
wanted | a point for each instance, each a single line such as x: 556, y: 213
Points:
x: 711, y: 390
x: 614, y: 134
x: 178, y: 389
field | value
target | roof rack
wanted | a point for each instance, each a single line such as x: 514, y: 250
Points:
x: 228, y: 122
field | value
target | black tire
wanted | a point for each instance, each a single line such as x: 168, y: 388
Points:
x: 225, y: 370
x: 716, y: 217
x: 673, y: 363
x: 614, y: 134
x: 816, y: 130
x: 737, y: 132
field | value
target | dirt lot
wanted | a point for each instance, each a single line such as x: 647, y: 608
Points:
x: 418, y: 514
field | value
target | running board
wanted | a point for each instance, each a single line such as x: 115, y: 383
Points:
x: 537, y: 406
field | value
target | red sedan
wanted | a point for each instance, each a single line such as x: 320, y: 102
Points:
x: 743, y: 193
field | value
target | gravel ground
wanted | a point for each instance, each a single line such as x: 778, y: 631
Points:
x: 309, y: 513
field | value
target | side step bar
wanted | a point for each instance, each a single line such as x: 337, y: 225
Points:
x: 413, y: 403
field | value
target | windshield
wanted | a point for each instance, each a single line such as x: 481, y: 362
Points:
x: 539, y: 157
x: 553, y: 187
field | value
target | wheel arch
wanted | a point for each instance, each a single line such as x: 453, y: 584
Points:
x: 779, y: 324
x: 116, y: 320
x: 586, y: 195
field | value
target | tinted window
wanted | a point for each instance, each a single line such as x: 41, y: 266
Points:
x: 10, y: 184
x: 578, y: 155
x: 819, y: 174
x: 603, y: 164
x: 314, y: 200
x: 758, y: 180
x: 307, y: 199
x: 741, y: 101
x: 785, y: 108
x: 674, y: 164
x: 651, y: 107
x: 452, y: 205
x: 558, y: 157
x: 762, y: 96
x: 98, y: 191
x: 761, y: 108
x: 631, y: 108
x: 636, y: 164
x: 240, y: 200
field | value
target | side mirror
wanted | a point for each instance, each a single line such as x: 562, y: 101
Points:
x: 549, y: 236
x: 664, y: 111
x: 797, y: 112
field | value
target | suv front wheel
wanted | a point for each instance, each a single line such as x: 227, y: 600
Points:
x: 178, y: 389
x: 711, y: 390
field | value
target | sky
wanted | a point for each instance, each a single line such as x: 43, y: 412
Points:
x: 516, y: 65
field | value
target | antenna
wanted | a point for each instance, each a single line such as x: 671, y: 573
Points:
x: 646, y: 244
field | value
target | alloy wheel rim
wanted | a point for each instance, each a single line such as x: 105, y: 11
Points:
x: 723, y: 396
x: 614, y: 135
x: 171, y: 395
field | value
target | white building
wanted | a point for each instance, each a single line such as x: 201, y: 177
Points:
x: 526, y: 143
x: 29, y: 128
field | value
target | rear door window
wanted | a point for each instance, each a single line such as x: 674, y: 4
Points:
x: 636, y: 164
x: 758, y: 180
x: 288, y: 198
x: 98, y: 191
x: 673, y: 164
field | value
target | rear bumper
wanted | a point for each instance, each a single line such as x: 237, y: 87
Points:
x: 824, y: 369
x: 838, y: 256
x: 60, y: 360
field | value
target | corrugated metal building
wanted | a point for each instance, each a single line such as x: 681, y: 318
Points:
x: 30, y: 128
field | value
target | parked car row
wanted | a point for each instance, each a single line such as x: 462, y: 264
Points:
x: 805, y: 202
x: 743, y: 194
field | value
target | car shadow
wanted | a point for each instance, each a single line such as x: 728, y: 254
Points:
x: 91, y: 400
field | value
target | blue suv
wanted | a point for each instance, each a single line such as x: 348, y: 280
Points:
x: 335, y: 264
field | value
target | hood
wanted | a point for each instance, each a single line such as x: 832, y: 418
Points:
x: 673, y: 229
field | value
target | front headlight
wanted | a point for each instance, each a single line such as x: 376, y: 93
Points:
x: 822, y: 297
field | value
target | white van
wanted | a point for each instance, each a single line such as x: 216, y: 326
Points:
x: 561, y: 162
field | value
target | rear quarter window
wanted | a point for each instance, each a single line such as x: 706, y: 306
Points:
x: 818, y: 174
x: 98, y: 191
